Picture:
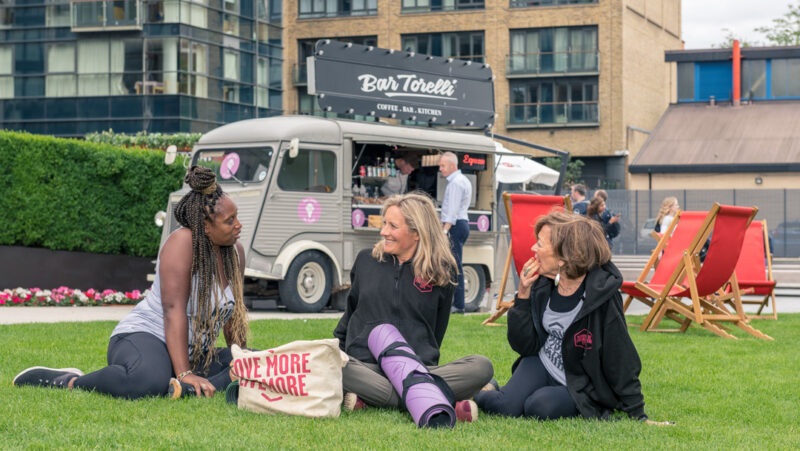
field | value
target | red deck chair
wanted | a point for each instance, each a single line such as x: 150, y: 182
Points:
x: 704, y: 281
x: 754, y: 270
x: 527, y: 208
x: 682, y: 230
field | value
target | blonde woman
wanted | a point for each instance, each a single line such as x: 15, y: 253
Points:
x: 407, y: 280
x: 669, y: 208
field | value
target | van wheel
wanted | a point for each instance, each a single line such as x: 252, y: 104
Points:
x: 474, y: 287
x: 307, y: 285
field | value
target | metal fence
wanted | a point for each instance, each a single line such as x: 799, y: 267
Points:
x: 780, y: 207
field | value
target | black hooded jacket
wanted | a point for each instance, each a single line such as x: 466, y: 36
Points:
x: 387, y: 292
x: 600, y: 361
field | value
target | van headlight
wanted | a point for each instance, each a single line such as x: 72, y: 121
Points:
x: 159, y: 218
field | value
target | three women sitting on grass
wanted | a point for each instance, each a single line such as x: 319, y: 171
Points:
x: 166, y: 343
x: 567, y: 324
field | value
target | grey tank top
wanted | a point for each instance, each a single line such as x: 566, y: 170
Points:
x: 555, y: 323
x: 148, y: 315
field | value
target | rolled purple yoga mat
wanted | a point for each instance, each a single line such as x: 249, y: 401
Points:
x: 425, y: 401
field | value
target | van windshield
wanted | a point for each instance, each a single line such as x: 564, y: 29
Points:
x: 236, y: 165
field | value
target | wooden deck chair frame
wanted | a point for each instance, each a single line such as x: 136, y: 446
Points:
x: 747, y: 287
x: 706, y: 311
x: 667, y: 242
x: 502, y: 307
x: 663, y: 239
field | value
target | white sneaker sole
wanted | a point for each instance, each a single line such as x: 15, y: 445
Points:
x: 68, y: 370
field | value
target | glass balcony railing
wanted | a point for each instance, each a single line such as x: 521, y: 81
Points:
x: 548, y: 63
x: 300, y: 74
x: 529, y: 3
x: 91, y: 15
x: 422, y: 6
x: 552, y: 113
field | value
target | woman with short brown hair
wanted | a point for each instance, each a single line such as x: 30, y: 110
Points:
x: 576, y: 357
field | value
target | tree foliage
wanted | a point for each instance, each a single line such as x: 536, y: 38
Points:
x: 574, y: 169
x: 730, y: 36
x: 784, y: 30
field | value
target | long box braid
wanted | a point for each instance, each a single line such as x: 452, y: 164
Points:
x: 194, y: 208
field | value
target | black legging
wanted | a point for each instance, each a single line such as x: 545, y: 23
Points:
x: 139, y: 366
x: 531, y: 392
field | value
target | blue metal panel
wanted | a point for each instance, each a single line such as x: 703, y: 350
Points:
x: 768, y: 73
x: 713, y: 79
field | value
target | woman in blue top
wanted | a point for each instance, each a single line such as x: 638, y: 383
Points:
x: 166, y: 343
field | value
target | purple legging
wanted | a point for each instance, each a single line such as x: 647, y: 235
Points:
x: 139, y: 366
x: 530, y: 392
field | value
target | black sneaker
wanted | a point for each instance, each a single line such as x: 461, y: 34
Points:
x: 178, y: 389
x: 46, y: 377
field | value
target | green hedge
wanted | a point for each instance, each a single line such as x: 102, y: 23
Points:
x: 67, y: 194
x: 143, y: 139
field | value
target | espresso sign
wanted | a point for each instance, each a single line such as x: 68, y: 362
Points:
x: 473, y: 161
x: 358, y: 79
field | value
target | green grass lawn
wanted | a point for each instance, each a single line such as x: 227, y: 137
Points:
x: 742, y: 394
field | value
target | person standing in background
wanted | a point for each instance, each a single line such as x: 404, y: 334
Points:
x: 579, y: 202
x: 401, y: 182
x: 456, y: 200
x: 610, y: 221
x: 669, y: 208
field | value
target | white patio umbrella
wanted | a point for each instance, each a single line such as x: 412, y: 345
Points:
x: 516, y: 168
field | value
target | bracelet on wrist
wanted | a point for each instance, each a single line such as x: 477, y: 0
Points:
x: 184, y: 374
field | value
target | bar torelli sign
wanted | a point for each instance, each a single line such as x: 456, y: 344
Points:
x: 356, y: 79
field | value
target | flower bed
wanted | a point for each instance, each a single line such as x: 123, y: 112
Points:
x: 63, y: 296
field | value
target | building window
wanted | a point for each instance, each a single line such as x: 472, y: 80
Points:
x: 420, y: 6
x: 60, y: 80
x: 466, y: 45
x: 161, y: 67
x: 57, y: 15
x: 309, y: 9
x: 786, y: 77
x: 193, y: 64
x: 553, y: 102
x: 305, y: 48
x: 529, y: 3
x: 6, y: 14
x: 310, y: 170
x: 553, y: 50
x: 754, y: 79
x: 686, y: 81
x: 195, y: 13
x: 106, y: 14
x: 6, y: 80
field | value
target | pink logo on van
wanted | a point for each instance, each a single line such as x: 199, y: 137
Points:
x: 309, y: 210
x: 358, y: 217
x: 230, y: 164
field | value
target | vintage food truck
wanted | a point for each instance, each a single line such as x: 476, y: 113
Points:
x: 309, y: 196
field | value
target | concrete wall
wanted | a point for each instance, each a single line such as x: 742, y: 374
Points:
x: 744, y: 180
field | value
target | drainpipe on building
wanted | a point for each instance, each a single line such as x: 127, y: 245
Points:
x: 737, y: 66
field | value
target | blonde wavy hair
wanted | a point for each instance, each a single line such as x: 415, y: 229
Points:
x: 433, y: 262
x: 666, y: 206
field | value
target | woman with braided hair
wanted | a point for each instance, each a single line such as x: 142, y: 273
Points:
x: 166, y: 343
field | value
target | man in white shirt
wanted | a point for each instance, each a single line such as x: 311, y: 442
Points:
x: 454, y: 217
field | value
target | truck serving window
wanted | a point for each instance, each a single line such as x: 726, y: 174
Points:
x: 236, y: 165
x: 310, y: 170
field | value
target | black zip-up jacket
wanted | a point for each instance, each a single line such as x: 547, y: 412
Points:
x: 386, y: 292
x: 600, y: 361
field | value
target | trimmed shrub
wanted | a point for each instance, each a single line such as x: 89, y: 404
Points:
x: 145, y: 140
x: 66, y: 194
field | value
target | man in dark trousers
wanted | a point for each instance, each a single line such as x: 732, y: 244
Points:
x: 454, y: 217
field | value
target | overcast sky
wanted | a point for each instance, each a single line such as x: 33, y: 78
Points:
x: 703, y: 20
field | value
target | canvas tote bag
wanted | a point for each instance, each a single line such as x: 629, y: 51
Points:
x: 299, y: 378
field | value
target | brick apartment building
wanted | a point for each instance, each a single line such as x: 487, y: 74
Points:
x: 586, y: 76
